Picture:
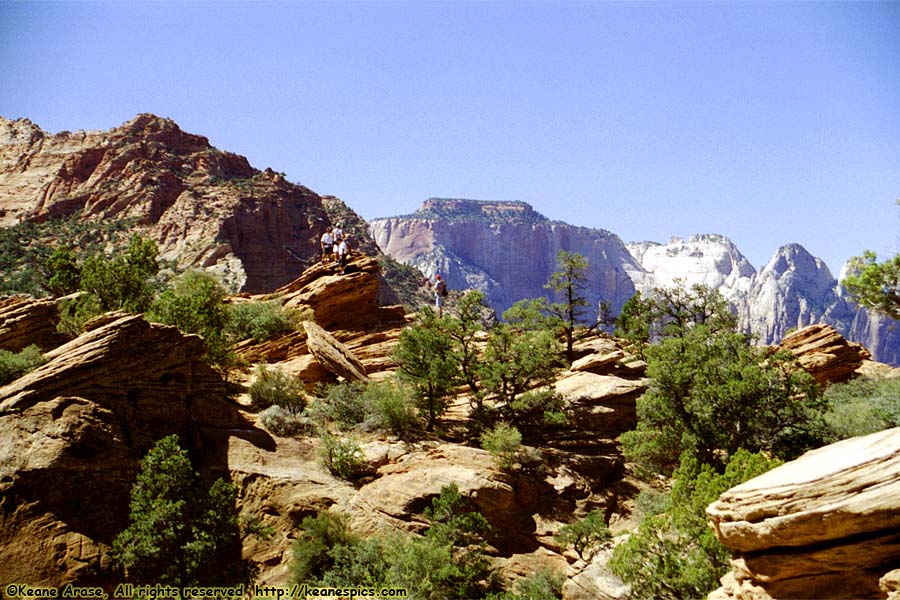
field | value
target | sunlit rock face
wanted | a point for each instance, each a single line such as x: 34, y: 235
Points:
x: 793, y: 290
x: 505, y: 249
x: 204, y: 207
x: 508, y: 250
x: 822, y: 526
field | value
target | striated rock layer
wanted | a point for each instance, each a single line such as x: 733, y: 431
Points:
x: 826, y: 525
x: 74, y: 431
x: 204, y: 207
x: 505, y: 249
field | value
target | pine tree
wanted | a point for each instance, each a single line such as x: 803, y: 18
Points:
x: 180, y: 533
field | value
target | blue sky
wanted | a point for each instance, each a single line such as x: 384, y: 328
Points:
x: 767, y: 122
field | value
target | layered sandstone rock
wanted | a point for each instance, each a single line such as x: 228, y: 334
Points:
x: 204, y: 207
x: 341, y: 298
x: 25, y: 321
x: 74, y: 430
x: 826, y: 525
x: 825, y: 353
x: 335, y: 356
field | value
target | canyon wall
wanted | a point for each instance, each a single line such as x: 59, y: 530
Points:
x: 204, y: 207
x: 508, y: 250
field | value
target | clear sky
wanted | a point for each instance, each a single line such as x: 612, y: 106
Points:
x: 767, y: 122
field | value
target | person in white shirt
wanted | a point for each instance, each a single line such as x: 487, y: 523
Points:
x: 440, y: 290
x: 327, y: 245
x: 343, y: 250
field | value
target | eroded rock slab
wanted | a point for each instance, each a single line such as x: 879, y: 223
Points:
x: 74, y: 431
x: 334, y: 355
x: 826, y: 525
x: 825, y: 353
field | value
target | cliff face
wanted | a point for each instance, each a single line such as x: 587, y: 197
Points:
x: 822, y: 526
x: 505, y: 249
x: 793, y: 290
x: 508, y: 250
x: 204, y: 207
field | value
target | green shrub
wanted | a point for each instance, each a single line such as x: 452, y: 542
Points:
x: 503, y: 442
x: 181, y: 532
x: 344, y: 403
x: 75, y: 312
x: 541, y: 406
x: 312, y: 549
x: 122, y: 281
x: 453, y: 520
x: 543, y: 584
x: 862, y: 406
x: 260, y: 321
x: 283, y: 422
x: 393, y: 408
x: 651, y: 502
x: 63, y: 272
x: 16, y: 364
x: 342, y: 457
x: 277, y: 387
x: 196, y: 304
x: 585, y: 536
x: 675, y: 554
x: 448, y: 562
x: 361, y: 563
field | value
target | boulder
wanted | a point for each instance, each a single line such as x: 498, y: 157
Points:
x: 826, y: 525
x: 825, y: 353
x: 594, y: 580
x: 602, y: 408
x: 74, y: 431
x: 597, y: 363
x: 890, y: 584
x: 334, y: 355
x: 342, y: 299
x: 25, y: 321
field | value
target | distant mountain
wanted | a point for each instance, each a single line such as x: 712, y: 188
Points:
x: 204, y: 207
x: 505, y: 249
x: 508, y: 250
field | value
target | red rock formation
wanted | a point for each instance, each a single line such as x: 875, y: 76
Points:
x: 825, y: 353
x: 74, y: 430
x: 204, y: 207
x: 339, y: 299
x: 25, y: 321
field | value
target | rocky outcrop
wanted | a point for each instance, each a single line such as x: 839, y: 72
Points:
x: 825, y: 353
x: 74, y: 430
x: 335, y: 356
x: 508, y: 251
x: 204, y: 207
x: 83, y: 420
x: 341, y: 299
x: 505, y: 249
x: 25, y: 321
x: 826, y: 525
x: 594, y: 581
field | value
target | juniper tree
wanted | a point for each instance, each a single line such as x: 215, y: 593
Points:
x: 181, y: 533
x: 426, y: 360
x: 875, y: 285
x: 570, y: 281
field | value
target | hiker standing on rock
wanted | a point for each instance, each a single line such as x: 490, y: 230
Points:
x: 327, y: 245
x: 440, y: 292
x: 343, y: 251
x: 338, y: 234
